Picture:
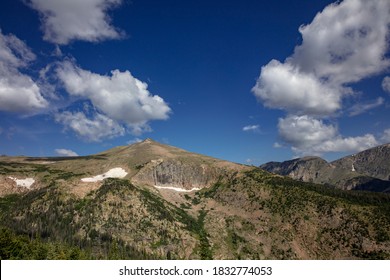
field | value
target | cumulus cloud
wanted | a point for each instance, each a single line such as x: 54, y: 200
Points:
x: 305, y: 131
x: 345, y: 43
x: 120, y: 96
x: 87, y: 20
x: 308, y: 136
x: 386, y: 84
x: 253, y: 128
x: 284, y: 86
x: 92, y: 129
x: 361, y: 108
x: 66, y: 153
x: 18, y: 92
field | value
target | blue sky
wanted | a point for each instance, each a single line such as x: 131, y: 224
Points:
x: 246, y: 81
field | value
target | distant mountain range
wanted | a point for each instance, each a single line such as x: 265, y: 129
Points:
x: 368, y: 170
x: 153, y: 201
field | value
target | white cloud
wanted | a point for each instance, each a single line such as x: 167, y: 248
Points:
x: 253, y: 128
x: 121, y: 97
x: 345, y: 43
x: 284, y: 86
x: 66, y: 153
x: 348, y: 144
x: 90, y: 129
x: 305, y: 131
x: 386, y: 136
x: 133, y: 141
x: 310, y: 136
x: 18, y: 92
x: 14, y: 52
x: 386, y: 84
x: 87, y: 20
x: 361, y: 108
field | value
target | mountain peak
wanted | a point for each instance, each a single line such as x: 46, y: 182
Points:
x: 148, y: 141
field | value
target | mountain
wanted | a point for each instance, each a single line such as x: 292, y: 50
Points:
x: 373, y: 162
x: 367, y: 170
x: 153, y: 201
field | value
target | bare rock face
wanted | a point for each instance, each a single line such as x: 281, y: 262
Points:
x: 178, y: 174
x: 304, y: 169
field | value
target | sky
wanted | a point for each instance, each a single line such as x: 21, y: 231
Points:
x: 246, y: 81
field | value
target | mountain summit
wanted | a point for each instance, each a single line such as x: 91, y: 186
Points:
x: 148, y: 163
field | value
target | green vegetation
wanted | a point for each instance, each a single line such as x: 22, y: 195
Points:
x: 48, y: 174
x: 210, y: 192
x: 22, y: 247
x: 96, y: 224
x: 47, y: 217
x: 7, y: 202
x: 204, y: 246
x: 23, y: 168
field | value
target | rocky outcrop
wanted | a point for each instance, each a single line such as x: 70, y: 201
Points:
x: 304, y: 169
x: 177, y: 173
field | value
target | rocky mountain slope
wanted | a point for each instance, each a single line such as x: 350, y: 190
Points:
x: 153, y: 201
x: 373, y: 162
x: 368, y: 170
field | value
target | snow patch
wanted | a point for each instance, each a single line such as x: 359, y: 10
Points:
x: 112, y: 173
x: 177, y: 189
x: 26, y: 183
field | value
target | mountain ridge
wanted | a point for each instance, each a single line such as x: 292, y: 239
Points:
x: 366, y: 170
